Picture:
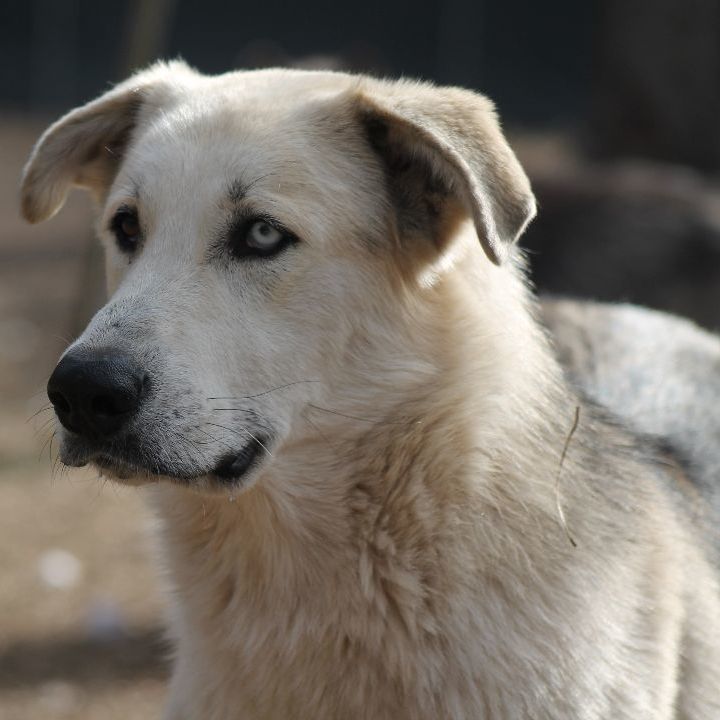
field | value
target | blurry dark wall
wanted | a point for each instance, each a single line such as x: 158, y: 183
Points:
x: 534, y: 61
x: 657, y: 90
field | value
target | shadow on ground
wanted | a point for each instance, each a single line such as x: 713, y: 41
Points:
x: 140, y: 654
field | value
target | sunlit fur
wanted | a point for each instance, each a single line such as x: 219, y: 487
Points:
x: 411, y: 545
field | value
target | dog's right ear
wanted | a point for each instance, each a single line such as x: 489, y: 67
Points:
x: 85, y: 147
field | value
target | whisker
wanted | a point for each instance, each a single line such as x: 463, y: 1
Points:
x: 45, y: 426
x: 54, y: 470
x: 67, y: 341
x: 261, y: 444
x: 187, y: 440
x: 168, y: 455
x: 214, y: 439
x: 40, y: 391
x: 367, y: 420
x: 317, y: 429
x: 236, y: 432
x: 41, y: 410
x: 234, y: 409
x: 247, y: 432
x: 266, y: 392
x: 48, y: 440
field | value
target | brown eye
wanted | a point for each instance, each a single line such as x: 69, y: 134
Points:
x: 129, y: 225
x: 126, y: 228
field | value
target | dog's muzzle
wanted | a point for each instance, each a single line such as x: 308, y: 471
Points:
x: 107, y: 401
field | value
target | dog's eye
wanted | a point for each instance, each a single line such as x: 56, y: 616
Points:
x: 126, y: 228
x: 259, y: 238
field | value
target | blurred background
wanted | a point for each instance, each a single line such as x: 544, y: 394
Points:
x: 613, y: 107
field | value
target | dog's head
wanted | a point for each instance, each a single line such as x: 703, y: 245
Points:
x: 261, y: 231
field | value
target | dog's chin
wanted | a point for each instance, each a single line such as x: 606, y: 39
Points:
x: 124, y: 473
x: 232, y: 472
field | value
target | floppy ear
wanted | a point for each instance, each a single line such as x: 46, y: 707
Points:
x: 85, y: 147
x: 444, y: 146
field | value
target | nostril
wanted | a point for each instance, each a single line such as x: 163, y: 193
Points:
x: 144, y: 384
x: 59, y: 402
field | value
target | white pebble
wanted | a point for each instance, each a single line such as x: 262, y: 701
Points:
x: 59, y: 568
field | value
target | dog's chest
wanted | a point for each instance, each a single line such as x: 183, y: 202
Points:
x: 362, y: 641
x: 389, y: 626
x: 358, y: 633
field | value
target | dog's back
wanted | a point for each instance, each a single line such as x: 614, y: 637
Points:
x: 660, y: 374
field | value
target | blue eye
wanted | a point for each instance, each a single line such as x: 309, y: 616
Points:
x: 259, y: 238
x: 263, y: 236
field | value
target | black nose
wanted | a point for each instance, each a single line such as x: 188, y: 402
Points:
x: 96, y: 393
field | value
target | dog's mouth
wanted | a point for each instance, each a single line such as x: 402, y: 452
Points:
x: 233, y: 467
x: 136, y: 468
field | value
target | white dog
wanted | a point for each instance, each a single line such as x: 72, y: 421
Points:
x: 379, y: 497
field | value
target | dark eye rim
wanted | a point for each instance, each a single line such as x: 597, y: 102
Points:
x: 239, y: 230
x: 126, y: 242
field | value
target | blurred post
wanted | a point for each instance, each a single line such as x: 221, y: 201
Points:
x: 147, y: 32
x: 146, y: 37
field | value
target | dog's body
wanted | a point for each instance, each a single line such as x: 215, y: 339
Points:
x: 660, y: 374
x: 380, y: 497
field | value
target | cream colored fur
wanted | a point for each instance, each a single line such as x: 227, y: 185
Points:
x: 427, y: 537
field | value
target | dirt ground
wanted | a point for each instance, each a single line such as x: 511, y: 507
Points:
x: 80, y: 606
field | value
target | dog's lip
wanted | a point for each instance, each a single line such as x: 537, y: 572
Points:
x: 234, y: 466
x: 112, y: 464
x: 230, y: 468
x: 118, y: 467
x: 72, y: 461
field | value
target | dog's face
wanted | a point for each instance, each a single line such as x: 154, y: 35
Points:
x: 260, y: 231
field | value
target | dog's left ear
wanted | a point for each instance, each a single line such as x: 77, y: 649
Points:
x: 85, y: 147
x: 445, y: 145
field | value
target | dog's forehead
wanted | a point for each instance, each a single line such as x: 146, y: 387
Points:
x: 269, y: 135
x: 273, y: 113
x: 221, y: 137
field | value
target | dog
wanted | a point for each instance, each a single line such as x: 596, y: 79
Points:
x: 379, y: 494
